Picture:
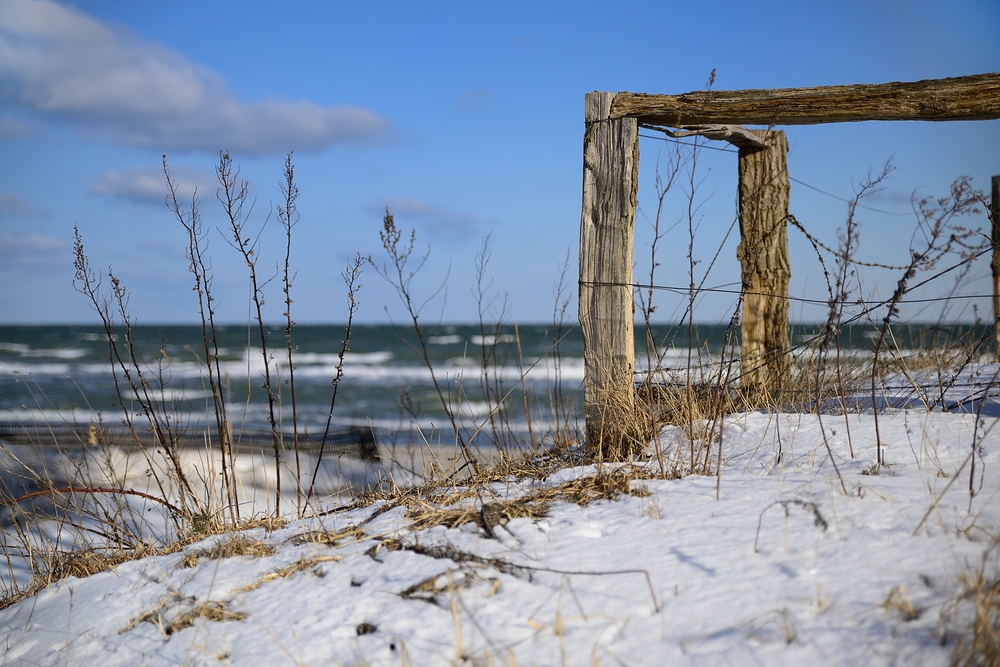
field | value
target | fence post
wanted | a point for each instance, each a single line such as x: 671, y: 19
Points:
x: 763, y: 254
x: 995, y: 264
x: 607, y: 308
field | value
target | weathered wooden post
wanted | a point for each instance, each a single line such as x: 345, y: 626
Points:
x: 607, y: 308
x: 763, y: 254
x: 995, y: 264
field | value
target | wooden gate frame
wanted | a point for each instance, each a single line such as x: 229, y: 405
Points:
x: 610, y: 185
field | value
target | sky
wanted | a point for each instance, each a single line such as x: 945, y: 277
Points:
x: 466, y: 121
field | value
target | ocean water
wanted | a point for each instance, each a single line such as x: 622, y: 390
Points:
x: 59, y: 374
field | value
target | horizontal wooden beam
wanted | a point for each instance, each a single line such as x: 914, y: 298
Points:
x: 974, y: 97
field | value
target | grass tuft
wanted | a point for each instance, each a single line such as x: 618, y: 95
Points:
x: 977, y: 640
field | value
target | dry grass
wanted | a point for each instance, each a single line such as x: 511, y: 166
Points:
x: 976, y: 610
x: 440, y: 502
x: 300, y: 565
x: 898, y: 603
x: 54, y: 565
x: 235, y: 545
x: 86, y: 563
x: 210, y: 611
x: 607, y: 484
x: 51, y: 564
x: 327, y: 537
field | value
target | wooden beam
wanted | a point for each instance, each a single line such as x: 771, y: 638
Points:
x: 738, y: 136
x: 974, y: 97
x: 607, y: 308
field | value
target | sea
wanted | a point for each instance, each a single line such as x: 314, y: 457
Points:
x: 518, y: 380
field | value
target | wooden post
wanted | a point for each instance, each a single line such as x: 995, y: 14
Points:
x: 995, y: 264
x: 763, y: 254
x: 607, y: 308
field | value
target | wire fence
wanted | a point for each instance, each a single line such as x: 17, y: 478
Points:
x: 881, y: 314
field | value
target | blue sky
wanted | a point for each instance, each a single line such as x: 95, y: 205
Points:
x: 465, y: 119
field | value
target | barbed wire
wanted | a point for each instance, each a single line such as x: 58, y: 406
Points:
x: 867, y: 308
x: 791, y: 178
x: 838, y: 254
x: 825, y: 302
x: 848, y: 201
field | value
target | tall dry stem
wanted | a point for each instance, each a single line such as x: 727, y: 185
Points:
x: 234, y: 194
x: 127, y: 367
x: 936, y: 235
x: 197, y: 265
x: 492, y: 311
x: 398, y: 273
x: 288, y: 217
x: 350, y: 275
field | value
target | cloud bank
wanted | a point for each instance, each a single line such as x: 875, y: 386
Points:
x: 58, y: 62
x: 11, y: 204
x: 439, y: 222
x: 149, y: 186
x: 475, y: 100
x: 20, y: 246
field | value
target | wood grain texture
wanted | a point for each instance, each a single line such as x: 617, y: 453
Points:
x: 974, y: 97
x: 763, y: 254
x: 737, y: 135
x: 995, y: 263
x: 610, y: 182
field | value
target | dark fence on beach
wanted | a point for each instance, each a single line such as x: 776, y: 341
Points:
x: 355, y: 441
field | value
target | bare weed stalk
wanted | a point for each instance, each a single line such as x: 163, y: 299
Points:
x: 288, y: 216
x: 397, y: 273
x: 350, y: 275
x: 674, y: 162
x: 936, y: 235
x: 128, y: 367
x: 496, y: 310
x: 234, y: 195
x: 197, y: 265
x: 559, y: 402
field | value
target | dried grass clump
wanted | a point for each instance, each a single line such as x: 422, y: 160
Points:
x: 977, y: 643
x: 899, y: 603
x: 327, y: 537
x: 605, y: 485
x: 300, y: 565
x: 623, y: 430
x: 54, y: 565
x: 210, y: 611
x: 679, y: 405
x: 487, y: 517
x: 236, y: 545
x: 85, y: 563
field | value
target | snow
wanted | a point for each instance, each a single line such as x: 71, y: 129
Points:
x: 783, y: 568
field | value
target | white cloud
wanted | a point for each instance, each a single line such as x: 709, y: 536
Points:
x: 11, y: 204
x: 407, y: 207
x: 149, y: 186
x: 18, y: 246
x: 11, y: 128
x: 435, y: 219
x: 59, y: 62
x: 475, y: 100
